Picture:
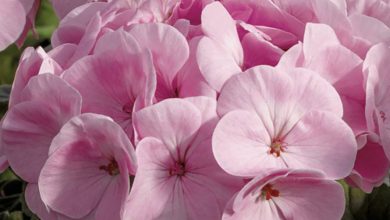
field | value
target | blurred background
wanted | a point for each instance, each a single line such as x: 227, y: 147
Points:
x: 359, y: 206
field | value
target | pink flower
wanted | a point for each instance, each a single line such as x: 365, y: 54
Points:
x: 177, y: 174
x: 88, y: 170
x: 28, y: 128
x: 16, y: 19
x: 276, y: 118
x: 287, y: 194
x: 115, y: 81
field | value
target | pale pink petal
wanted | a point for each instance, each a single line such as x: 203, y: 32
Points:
x: 220, y: 54
x: 219, y: 26
x: 190, y: 80
x: 152, y: 181
x: 316, y: 138
x: 280, y: 97
x: 301, y: 194
x: 159, y: 38
x: 112, y: 41
x: 12, y: 21
x: 307, y: 198
x: 128, y: 87
x: 175, y: 122
x: 29, y: 66
x: 63, y: 7
x: 35, y: 204
x: 241, y: 145
x: 376, y: 67
x: 29, y: 127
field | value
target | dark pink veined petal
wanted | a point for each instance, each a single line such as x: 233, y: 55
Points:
x: 29, y: 127
x: 90, y: 162
x: 12, y: 22
x: 175, y: 122
x: 317, y: 137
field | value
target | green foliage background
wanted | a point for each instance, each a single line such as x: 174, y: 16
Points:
x: 359, y: 206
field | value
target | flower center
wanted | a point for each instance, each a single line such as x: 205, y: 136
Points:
x: 178, y: 169
x: 112, y: 168
x: 128, y: 108
x: 277, y: 147
x: 383, y: 116
x: 268, y: 192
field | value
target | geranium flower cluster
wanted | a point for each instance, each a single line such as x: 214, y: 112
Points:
x: 202, y: 109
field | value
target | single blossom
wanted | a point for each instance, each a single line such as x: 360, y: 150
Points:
x: 282, y: 119
x: 88, y: 170
x: 46, y: 103
x: 287, y: 194
x: 177, y: 173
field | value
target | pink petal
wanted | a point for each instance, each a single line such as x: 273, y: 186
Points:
x: 29, y: 66
x: 175, y: 122
x: 113, y: 41
x: 158, y: 38
x: 190, y: 80
x: 35, y: 204
x: 220, y: 48
x: 269, y: 55
x: 302, y: 194
x: 260, y: 90
x: 13, y: 19
x: 29, y: 127
x: 371, y: 166
x: 129, y: 88
x: 316, y: 138
x: 323, y: 199
x: 241, y: 144
x: 152, y: 181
